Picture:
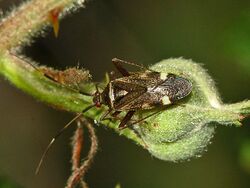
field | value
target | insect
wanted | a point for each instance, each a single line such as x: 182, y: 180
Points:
x: 132, y: 92
x: 143, y: 90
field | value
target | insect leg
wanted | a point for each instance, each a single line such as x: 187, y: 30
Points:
x: 142, y: 119
x: 126, y: 119
x: 119, y: 67
x: 105, y: 114
x: 116, y: 113
x: 114, y: 117
x: 119, y: 61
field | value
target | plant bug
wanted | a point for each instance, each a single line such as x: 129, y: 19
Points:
x: 143, y: 90
x: 134, y: 91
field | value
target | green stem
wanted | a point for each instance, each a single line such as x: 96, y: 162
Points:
x: 240, y: 107
x: 33, y: 82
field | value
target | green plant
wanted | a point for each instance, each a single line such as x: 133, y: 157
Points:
x: 178, y: 133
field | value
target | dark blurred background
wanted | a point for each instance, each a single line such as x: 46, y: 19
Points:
x: 215, y: 33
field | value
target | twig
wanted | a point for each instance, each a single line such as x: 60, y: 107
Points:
x: 79, y: 170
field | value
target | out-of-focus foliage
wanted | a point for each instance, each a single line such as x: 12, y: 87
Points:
x: 118, y: 185
x: 237, y: 40
x: 244, y: 156
x: 6, y: 183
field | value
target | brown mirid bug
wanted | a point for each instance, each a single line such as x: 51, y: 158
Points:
x: 141, y: 90
x: 134, y: 91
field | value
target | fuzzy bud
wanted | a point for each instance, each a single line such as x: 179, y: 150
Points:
x: 183, y: 130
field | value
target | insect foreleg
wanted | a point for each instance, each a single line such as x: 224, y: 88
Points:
x: 105, y: 114
x: 116, y: 113
x: 126, y: 119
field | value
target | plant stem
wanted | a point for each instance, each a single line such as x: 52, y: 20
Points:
x: 33, y: 82
x: 28, y: 19
x: 242, y: 107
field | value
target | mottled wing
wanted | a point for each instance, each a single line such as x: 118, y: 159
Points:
x: 138, y: 80
x: 129, y: 101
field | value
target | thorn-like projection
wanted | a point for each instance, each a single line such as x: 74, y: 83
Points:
x: 54, y: 19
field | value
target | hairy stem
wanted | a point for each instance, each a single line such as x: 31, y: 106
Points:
x: 79, y: 172
x: 30, y: 18
x: 240, y: 107
x: 25, y: 77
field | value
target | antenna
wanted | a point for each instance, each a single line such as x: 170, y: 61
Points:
x: 57, y: 135
x: 48, y: 76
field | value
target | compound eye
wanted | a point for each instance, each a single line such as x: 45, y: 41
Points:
x: 98, y: 104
